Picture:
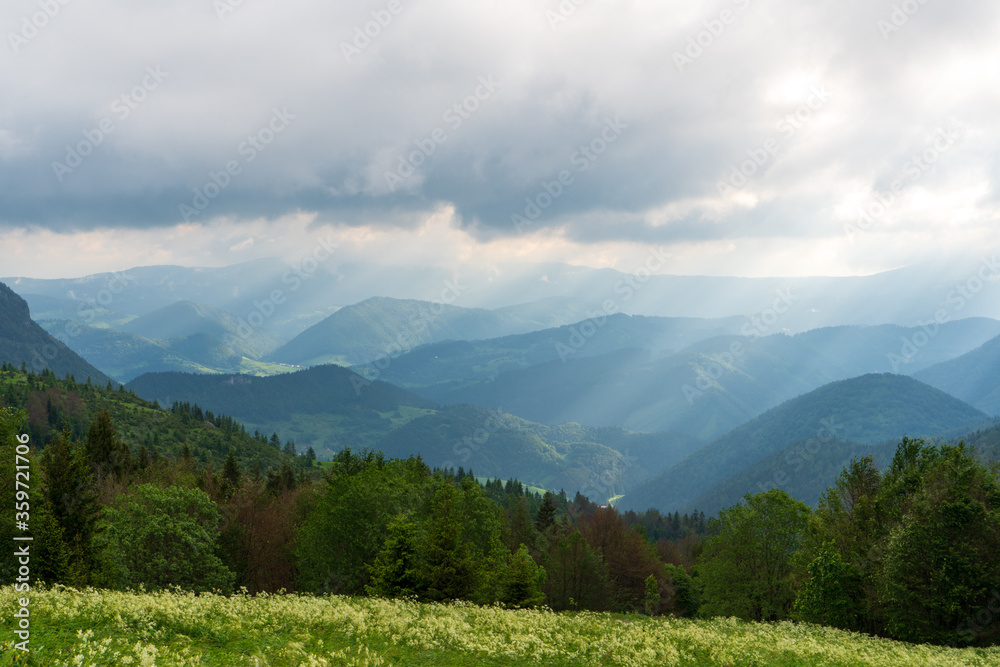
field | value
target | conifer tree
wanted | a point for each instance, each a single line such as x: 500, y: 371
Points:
x: 450, y: 572
x: 546, y: 516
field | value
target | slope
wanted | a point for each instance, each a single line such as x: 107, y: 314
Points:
x: 485, y: 359
x: 601, y: 463
x: 973, y: 377
x: 22, y: 341
x: 380, y: 326
x: 867, y: 409
x: 52, y: 404
x: 704, y: 390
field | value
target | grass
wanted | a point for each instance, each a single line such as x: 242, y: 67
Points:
x: 250, y: 366
x: 83, y: 628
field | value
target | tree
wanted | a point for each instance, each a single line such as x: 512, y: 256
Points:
x: 348, y: 523
x: 396, y: 571
x: 164, y: 537
x: 231, y: 470
x: 521, y: 529
x: 48, y: 552
x: 941, y: 562
x: 832, y: 595
x: 847, y: 534
x: 450, y: 571
x: 746, y: 566
x: 523, y: 581
x: 629, y: 557
x: 546, y: 516
x: 685, y: 600
x: 107, y: 454
x: 576, y: 575
x: 651, y: 598
x: 70, y: 497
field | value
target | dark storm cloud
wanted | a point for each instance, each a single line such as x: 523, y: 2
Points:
x: 483, y: 105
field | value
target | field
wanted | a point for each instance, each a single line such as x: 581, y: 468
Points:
x: 70, y: 627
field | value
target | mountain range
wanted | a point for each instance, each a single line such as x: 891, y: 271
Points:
x: 679, y: 392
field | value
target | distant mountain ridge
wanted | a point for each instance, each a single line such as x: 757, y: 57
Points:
x: 382, y: 326
x: 704, y: 390
x: 973, y: 377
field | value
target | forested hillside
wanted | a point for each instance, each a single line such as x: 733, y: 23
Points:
x: 866, y: 410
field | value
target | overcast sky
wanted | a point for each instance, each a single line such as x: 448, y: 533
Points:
x: 742, y: 136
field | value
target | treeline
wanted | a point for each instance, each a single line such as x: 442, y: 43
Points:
x: 909, y: 553
x: 103, y: 515
x: 54, y: 404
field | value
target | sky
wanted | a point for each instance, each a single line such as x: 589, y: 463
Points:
x: 738, y: 137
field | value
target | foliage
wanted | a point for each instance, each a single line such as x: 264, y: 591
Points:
x: 163, y: 537
x: 832, y: 595
x: 746, y: 566
x: 523, y: 581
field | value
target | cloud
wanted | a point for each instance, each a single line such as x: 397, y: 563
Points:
x: 479, y: 107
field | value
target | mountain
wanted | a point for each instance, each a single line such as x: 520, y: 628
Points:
x: 121, y: 355
x: 973, y: 377
x: 186, y: 319
x: 600, y: 463
x: 322, y: 279
x: 52, y: 404
x: 868, y: 409
x: 22, y: 341
x: 125, y: 356
x: 704, y: 390
x: 277, y: 298
x: 485, y: 359
x: 329, y: 407
x: 804, y: 470
x: 383, y: 326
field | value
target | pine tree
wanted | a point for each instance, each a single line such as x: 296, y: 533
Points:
x: 107, y: 454
x: 523, y: 581
x: 231, y: 470
x: 546, y: 517
x: 396, y: 571
x: 449, y: 571
x: 522, y: 530
x: 70, y: 496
